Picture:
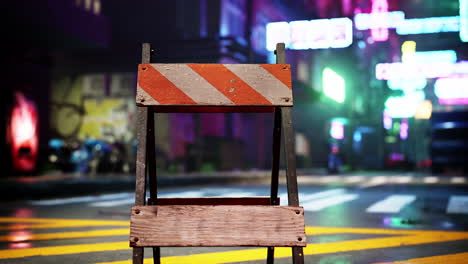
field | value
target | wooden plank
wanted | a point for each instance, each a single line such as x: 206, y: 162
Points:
x: 223, y: 225
x: 214, y: 85
x: 213, y: 109
x: 217, y: 201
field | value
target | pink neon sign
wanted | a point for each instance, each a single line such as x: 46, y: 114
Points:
x: 379, y: 17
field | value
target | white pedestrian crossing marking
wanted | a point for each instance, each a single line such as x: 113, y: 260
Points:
x: 458, y: 205
x: 391, y: 204
x: 303, y: 197
x: 319, y: 204
x: 431, y: 179
x: 458, y: 180
x: 83, y: 199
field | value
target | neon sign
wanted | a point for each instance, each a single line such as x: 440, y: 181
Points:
x: 404, y: 106
x: 452, y: 91
x: 311, y: 34
x: 379, y: 17
x: 424, y: 110
x: 464, y: 20
x: 386, y: 20
x: 428, y: 25
x: 388, y: 71
x: 333, y: 85
x: 449, y: 56
x: 277, y: 32
x: 404, y: 126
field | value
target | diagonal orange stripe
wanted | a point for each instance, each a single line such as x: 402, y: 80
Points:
x: 282, y: 72
x: 160, y: 88
x: 229, y: 84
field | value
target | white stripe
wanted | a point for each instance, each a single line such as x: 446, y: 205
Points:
x: 183, y: 194
x: 185, y: 78
x: 458, y: 205
x: 329, y: 179
x: 317, y: 205
x: 431, y: 179
x: 402, y: 179
x: 308, y: 197
x: 236, y: 194
x: 113, y: 203
x: 82, y: 199
x: 375, y: 181
x: 458, y: 180
x: 262, y: 81
x: 391, y: 204
x: 354, y: 179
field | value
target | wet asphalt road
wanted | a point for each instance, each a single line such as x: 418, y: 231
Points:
x: 349, y: 225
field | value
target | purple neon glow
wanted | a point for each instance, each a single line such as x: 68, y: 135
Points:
x: 337, y: 130
x: 387, y: 121
x: 379, y: 7
x: 453, y: 101
x: 404, y: 129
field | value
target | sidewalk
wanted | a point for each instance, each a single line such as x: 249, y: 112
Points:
x: 66, y: 185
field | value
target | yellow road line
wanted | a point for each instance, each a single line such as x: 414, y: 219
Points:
x: 423, y: 237
x: 460, y: 258
x: 312, y: 230
x: 398, y: 238
x: 71, y: 222
x: 65, y: 235
x: 62, y: 250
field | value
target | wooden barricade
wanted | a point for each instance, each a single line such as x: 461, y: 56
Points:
x: 192, y: 222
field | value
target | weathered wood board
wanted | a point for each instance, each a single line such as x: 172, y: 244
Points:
x: 214, y: 85
x: 223, y: 225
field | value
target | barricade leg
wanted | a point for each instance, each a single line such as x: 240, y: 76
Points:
x: 141, y: 162
x: 151, y: 163
x: 140, y: 186
x: 275, y: 171
x: 291, y: 177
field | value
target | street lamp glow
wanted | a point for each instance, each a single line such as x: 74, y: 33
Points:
x: 333, y: 85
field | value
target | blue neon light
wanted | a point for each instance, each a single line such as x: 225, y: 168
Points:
x: 464, y: 20
x: 429, y: 25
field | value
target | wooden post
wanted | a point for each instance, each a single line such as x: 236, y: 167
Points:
x: 291, y: 177
x: 141, y: 160
x: 280, y: 59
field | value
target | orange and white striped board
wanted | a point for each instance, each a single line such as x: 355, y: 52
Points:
x: 215, y: 85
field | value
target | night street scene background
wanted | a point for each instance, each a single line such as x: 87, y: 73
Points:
x: 380, y: 122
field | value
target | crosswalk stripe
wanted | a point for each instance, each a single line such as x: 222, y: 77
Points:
x: 458, y: 180
x: 83, y: 199
x: 375, y: 181
x: 391, y: 204
x: 354, y: 179
x: 183, y: 194
x: 113, y: 203
x: 319, y: 204
x: 431, y: 179
x: 458, y: 205
x: 308, y: 197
